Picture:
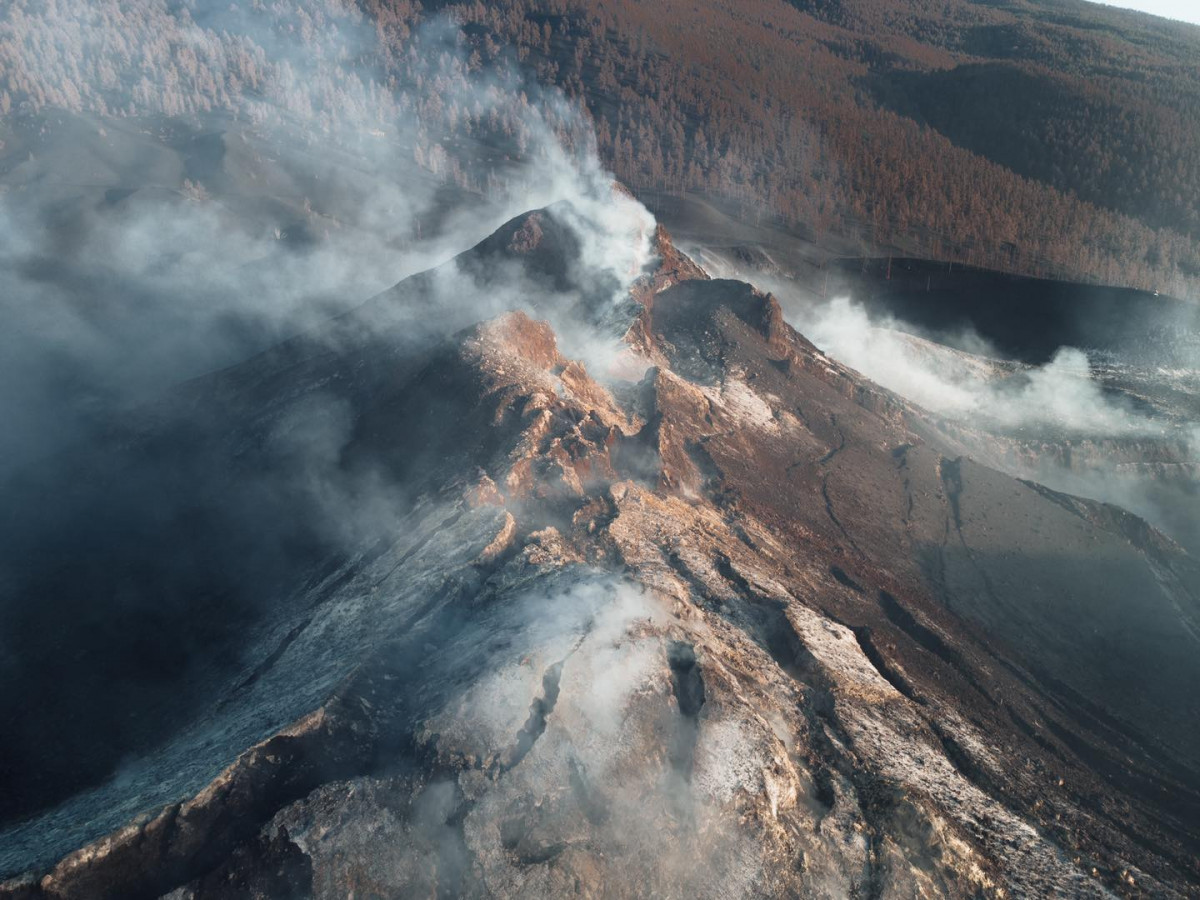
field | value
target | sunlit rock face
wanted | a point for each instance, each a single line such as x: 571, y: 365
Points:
x: 706, y: 614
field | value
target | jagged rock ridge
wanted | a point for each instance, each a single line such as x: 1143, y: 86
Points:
x: 742, y: 625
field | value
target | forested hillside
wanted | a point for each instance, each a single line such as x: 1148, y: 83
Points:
x: 1053, y: 137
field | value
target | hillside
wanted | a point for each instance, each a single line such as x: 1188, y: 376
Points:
x: 1048, y: 138
x: 697, y: 449
x: 729, y: 621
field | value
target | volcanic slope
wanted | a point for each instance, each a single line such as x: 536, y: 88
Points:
x: 727, y: 620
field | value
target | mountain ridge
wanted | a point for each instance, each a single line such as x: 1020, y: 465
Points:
x: 744, y: 602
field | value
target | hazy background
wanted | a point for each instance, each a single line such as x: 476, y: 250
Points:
x: 1181, y: 10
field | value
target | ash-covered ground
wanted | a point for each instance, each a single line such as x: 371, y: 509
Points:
x: 624, y: 587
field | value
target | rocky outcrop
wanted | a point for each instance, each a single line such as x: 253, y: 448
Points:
x: 742, y: 627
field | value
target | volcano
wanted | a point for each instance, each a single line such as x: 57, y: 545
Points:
x: 700, y: 613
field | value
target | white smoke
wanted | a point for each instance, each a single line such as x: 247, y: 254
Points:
x: 1058, y: 422
x: 1060, y: 396
x: 120, y: 279
x: 111, y: 297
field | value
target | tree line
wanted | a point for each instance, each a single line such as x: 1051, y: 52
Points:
x: 1062, y: 141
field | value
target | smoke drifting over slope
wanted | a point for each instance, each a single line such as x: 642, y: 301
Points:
x: 140, y: 253
x: 1119, y: 424
x: 675, y: 642
x: 1116, y: 433
x: 416, y: 601
x: 981, y: 388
